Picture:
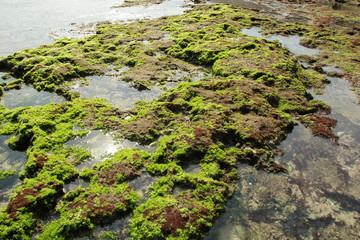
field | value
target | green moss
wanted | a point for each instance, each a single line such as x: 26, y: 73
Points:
x: 6, y: 174
x: 67, y: 226
x: 240, y: 114
x: 42, y: 131
x: 125, y: 165
x: 181, y: 216
x: 34, y: 197
x: 20, y: 228
x: 81, y: 208
x: 108, y: 236
x: 163, y: 168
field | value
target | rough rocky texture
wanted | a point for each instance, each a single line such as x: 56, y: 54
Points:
x: 237, y: 115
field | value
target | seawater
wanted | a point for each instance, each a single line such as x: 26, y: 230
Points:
x: 319, y: 197
x: 27, y: 24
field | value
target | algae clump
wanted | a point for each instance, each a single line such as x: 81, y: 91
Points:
x: 239, y: 114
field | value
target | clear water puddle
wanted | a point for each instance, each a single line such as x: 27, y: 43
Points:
x: 76, y: 184
x: 193, y: 169
x: 118, y: 93
x: 101, y: 146
x: 290, y: 42
x: 9, y: 161
x: 117, y: 230
x: 121, y: 94
x: 331, y: 69
x: 141, y: 184
x: 27, y: 96
x: 318, y: 199
x: 7, y: 186
x: 341, y: 99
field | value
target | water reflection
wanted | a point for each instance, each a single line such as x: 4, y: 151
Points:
x: 319, y: 198
x: 27, y: 24
x: 101, y: 146
x: 117, y: 230
x: 141, y: 185
x: 193, y: 169
x: 28, y: 96
x: 341, y: 99
x: 76, y: 184
x: 290, y: 42
x: 6, y: 188
x: 41, y: 19
x: 119, y: 94
x: 9, y: 161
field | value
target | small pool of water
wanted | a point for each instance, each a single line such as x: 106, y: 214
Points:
x: 101, y: 146
x: 332, y: 69
x: 28, y: 96
x: 7, y: 187
x: 290, y: 42
x: 317, y: 199
x: 193, y: 169
x: 118, y: 93
x: 121, y: 94
x: 76, y: 184
x: 342, y: 100
x: 141, y: 186
x: 9, y: 160
x: 118, y: 229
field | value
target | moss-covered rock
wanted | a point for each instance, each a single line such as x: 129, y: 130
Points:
x: 5, y: 174
x: 41, y: 132
x: 185, y: 215
x: 81, y: 208
x: 125, y: 165
x: 237, y: 115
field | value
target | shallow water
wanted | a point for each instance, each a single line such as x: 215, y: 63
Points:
x: 9, y: 160
x: 318, y: 198
x: 28, y: 96
x: 119, y: 94
x: 342, y: 100
x: 101, y: 146
x: 290, y: 42
x: 26, y: 24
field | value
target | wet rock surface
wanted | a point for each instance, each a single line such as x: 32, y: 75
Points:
x: 247, y: 105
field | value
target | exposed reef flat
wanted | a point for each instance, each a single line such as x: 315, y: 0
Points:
x: 255, y: 92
